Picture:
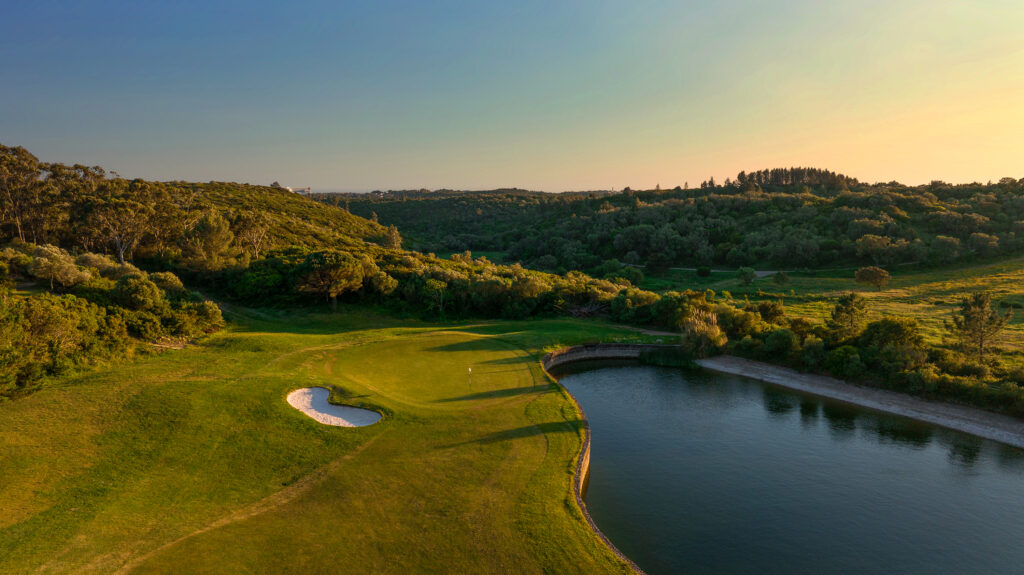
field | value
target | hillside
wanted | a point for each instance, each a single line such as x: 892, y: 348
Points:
x: 770, y: 219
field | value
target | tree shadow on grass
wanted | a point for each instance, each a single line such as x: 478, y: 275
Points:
x: 521, y: 432
x: 509, y: 360
x: 475, y: 344
x: 498, y: 393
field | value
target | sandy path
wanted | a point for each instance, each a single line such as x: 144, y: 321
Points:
x: 313, y: 402
x: 971, y: 420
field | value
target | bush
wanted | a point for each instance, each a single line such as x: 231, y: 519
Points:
x: 813, y: 354
x: 781, y: 343
x: 144, y: 325
x: 703, y: 271
x: 749, y: 347
x: 845, y: 362
x: 136, y: 292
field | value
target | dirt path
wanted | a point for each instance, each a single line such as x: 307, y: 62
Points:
x: 971, y: 420
x: 264, y: 505
x: 759, y: 273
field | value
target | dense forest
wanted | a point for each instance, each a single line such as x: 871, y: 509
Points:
x: 770, y: 219
x: 95, y: 267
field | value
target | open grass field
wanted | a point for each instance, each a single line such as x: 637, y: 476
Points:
x: 930, y: 297
x: 192, y: 461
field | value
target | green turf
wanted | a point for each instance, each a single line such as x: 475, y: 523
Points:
x: 192, y: 461
x: 931, y: 296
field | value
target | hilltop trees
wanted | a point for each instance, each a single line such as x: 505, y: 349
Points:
x: 20, y: 189
x: 789, y: 218
x: 123, y: 215
x: 977, y: 325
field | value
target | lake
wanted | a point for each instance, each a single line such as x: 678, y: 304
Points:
x: 699, y: 472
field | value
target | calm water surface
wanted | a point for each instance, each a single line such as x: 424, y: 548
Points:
x: 709, y: 473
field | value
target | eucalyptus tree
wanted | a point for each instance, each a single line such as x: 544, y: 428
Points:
x: 123, y: 215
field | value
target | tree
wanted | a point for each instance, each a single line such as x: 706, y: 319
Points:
x: 984, y: 244
x: 436, y: 291
x: 945, y: 248
x: 392, y: 239
x: 252, y: 232
x: 701, y: 335
x: 847, y: 316
x: 977, y: 325
x: 123, y: 217
x: 209, y: 242
x: 872, y: 275
x: 330, y: 273
x: 893, y: 344
x: 746, y: 276
x: 875, y: 247
x: 27, y: 198
x: 54, y: 264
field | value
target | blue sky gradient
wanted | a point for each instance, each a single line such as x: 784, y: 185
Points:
x: 541, y: 95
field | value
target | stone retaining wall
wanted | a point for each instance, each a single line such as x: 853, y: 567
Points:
x: 572, y: 354
x: 586, y: 352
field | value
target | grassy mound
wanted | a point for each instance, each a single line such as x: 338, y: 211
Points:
x: 193, y: 462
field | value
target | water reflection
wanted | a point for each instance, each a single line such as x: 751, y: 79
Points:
x: 1009, y: 458
x: 777, y: 402
x: 809, y: 411
x: 964, y: 451
x: 842, y: 419
x: 713, y: 474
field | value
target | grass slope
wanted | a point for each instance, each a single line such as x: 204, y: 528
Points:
x: 931, y: 297
x: 192, y: 461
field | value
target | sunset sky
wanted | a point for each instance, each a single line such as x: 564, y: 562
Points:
x: 541, y: 95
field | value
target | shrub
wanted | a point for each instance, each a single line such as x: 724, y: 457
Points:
x: 845, y: 362
x: 813, y: 353
x: 703, y: 271
x: 144, y: 325
x: 136, y: 292
x: 746, y: 276
x: 781, y: 342
x: 749, y: 347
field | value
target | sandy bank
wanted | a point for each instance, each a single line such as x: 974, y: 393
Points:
x: 313, y: 402
x: 978, y: 422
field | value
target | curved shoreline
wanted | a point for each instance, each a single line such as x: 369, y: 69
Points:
x: 550, y: 360
x: 978, y: 422
x: 970, y: 420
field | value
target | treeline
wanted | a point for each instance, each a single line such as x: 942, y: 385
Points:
x: 789, y: 218
x: 84, y: 310
x: 890, y: 352
x: 167, y: 225
x: 411, y: 282
x: 105, y: 256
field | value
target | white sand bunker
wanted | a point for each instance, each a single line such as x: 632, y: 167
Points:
x: 313, y: 402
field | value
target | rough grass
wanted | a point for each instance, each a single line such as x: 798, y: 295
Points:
x: 192, y: 461
x: 931, y: 297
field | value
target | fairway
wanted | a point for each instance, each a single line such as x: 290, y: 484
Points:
x: 192, y: 461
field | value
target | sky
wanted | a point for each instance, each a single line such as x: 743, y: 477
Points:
x: 548, y: 95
